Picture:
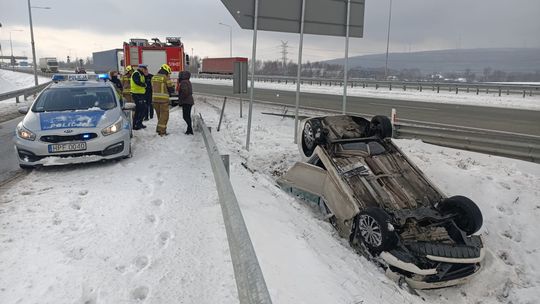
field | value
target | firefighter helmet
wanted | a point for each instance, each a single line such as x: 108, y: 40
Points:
x: 167, y: 68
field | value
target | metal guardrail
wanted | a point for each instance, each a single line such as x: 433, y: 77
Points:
x: 513, y: 145
x: 247, y: 272
x: 452, y: 87
x: 24, y: 92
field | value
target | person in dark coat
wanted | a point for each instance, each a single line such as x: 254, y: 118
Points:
x: 185, y: 98
x: 149, y: 109
x: 138, y: 93
x: 113, y: 75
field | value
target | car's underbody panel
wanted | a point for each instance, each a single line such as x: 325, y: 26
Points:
x: 359, y: 177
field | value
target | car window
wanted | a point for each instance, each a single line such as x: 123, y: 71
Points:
x: 375, y: 148
x: 71, y: 99
x: 370, y: 148
x: 358, y: 146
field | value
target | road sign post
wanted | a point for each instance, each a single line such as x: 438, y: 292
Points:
x: 343, y: 18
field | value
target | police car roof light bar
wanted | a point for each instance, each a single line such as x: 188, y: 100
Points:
x: 69, y: 77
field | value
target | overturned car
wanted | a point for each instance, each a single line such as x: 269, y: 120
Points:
x: 383, y: 204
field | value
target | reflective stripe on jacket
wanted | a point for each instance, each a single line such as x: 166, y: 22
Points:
x: 161, y: 86
x: 135, y: 88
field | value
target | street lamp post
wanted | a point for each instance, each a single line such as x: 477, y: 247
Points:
x: 11, y: 46
x: 32, y: 38
x: 230, y: 37
x: 388, y: 41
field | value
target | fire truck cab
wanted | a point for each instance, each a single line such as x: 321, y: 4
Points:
x: 155, y: 53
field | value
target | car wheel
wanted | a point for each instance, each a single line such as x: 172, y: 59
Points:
x: 381, y: 126
x: 311, y: 136
x: 468, y: 216
x: 373, y: 230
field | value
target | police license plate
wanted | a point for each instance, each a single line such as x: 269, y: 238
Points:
x: 55, y: 148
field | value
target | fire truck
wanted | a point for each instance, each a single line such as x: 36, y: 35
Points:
x: 156, y: 53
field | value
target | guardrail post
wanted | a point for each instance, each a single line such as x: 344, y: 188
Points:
x: 376, y: 86
x: 477, y: 90
x: 507, y: 91
x: 241, y: 107
x: 363, y: 85
x: 222, y: 112
x: 420, y: 88
x: 390, y: 86
x: 17, y: 99
x: 468, y: 89
x: 457, y: 89
x: 438, y: 88
x: 524, y: 93
x: 404, y: 87
x: 500, y: 91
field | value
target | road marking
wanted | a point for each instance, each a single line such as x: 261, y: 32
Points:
x: 399, y: 106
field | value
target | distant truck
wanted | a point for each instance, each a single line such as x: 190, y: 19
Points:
x: 220, y: 65
x: 48, y: 65
x: 110, y: 60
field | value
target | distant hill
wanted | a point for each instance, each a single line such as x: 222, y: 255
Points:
x: 525, y: 60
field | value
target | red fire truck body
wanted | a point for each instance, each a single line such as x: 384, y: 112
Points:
x: 156, y: 53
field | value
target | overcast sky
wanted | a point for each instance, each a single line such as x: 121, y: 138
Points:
x: 77, y: 28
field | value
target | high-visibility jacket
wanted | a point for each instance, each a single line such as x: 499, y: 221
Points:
x: 126, y: 83
x: 135, y: 88
x: 161, y: 87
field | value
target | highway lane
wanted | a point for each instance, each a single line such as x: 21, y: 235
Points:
x: 9, y: 165
x: 502, y: 119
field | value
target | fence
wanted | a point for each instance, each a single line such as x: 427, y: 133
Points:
x: 452, y: 87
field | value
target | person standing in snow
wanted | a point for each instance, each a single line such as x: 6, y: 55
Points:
x: 162, y: 87
x: 113, y: 75
x: 149, y: 114
x: 138, y: 93
x: 185, y: 98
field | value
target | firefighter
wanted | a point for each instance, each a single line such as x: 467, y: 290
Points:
x: 162, y: 86
x: 185, y: 98
x: 138, y: 93
x: 126, y: 84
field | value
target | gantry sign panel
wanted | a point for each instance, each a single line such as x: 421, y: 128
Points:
x: 322, y: 17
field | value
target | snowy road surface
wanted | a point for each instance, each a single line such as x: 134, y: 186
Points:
x: 149, y: 229
x: 8, y: 163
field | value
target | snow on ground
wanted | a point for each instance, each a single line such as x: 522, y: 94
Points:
x: 305, y: 261
x: 146, y: 229
x: 427, y: 95
x: 149, y: 229
x: 11, y: 81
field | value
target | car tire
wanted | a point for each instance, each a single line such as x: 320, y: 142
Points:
x: 381, y: 126
x: 312, y: 135
x: 373, y: 230
x: 468, y: 216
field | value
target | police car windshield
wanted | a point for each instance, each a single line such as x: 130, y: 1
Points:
x: 72, y: 99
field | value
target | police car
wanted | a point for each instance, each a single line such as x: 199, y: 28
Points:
x: 74, y: 120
